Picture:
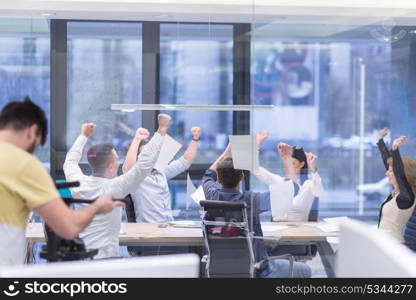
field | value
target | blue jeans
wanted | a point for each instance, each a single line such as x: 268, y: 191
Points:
x: 279, y: 268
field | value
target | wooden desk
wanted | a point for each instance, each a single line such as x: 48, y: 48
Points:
x: 148, y: 234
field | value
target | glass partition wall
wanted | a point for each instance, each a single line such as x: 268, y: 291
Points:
x: 333, y: 87
x: 25, y: 66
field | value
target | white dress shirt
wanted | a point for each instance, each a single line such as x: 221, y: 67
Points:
x: 103, y: 231
x: 152, y: 199
x: 301, y: 203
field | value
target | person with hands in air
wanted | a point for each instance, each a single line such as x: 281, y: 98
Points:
x: 397, y: 209
x: 102, y: 233
x: 151, y: 197
x: 222, y: 170
x: 301, y: 185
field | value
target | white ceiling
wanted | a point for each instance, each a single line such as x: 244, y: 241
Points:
x: 252, y: 11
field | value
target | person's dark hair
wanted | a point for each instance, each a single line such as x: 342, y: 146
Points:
x: 21, y: 115
x: 227, y: 175
x: 99, y: 156
x: 300, y: 155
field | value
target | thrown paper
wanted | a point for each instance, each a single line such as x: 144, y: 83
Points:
x: 198, y: 195
x: 168, y: 151
x: 244, y: 152
x: 190, y: 189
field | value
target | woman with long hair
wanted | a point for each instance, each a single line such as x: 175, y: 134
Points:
x: 401, y: 173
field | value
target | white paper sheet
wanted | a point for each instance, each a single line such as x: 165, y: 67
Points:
x: 272, y: 228
x: 122, y: 231
x: 281, y: 199
x: 336, y: 220
x: 168, y: 151
x: 244, y: 152
x: 198, y: 195
x: 190, y: 189
x: 186, y: 224
x: 328, y: 227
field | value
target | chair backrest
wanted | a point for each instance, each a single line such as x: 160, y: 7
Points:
x: 227, y: 239
x: 410, y: 232
x: 130, y: 212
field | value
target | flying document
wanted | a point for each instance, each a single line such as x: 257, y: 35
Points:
x: 198, y: 195
x: 190, y: 189
x: 168, y: 151
x: 244, y: 152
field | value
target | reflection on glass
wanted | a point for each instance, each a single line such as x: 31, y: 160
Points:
x: 104, y: 67
x: 196, y: 68
x: 24, y: 66
x: 315, y: 82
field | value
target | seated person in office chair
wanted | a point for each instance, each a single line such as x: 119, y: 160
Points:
x: 399, y: 206
x: 229, y: 179
x: 300, y: 168
x: 103, y: 232
x: 151, y: 198
x: 25, y: 185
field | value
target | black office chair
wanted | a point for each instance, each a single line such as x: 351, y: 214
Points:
x: 131, y: 218
x: 228, y: 241
x: 410, y: 232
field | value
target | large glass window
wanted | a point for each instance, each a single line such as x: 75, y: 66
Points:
x: 196, y: 67
x: 104, y: 68
x: 25, y: 66
x: 333, y: 94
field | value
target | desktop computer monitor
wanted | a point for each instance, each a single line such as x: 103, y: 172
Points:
x: 180, y: 265
x: 365, y: 251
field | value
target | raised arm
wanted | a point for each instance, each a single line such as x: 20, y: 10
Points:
x: 209, y: 180
x: 71, y: 165
x: 385, y: 154
x: 131, y: 156
x: 406, y: 197
x: 261, y: 173
x: 316, y: 186
x: 192, y: 149
x: 209, y: 185
x: 267, y: 177
x: 224, y: 155
x: 286, y: 152
x: 176, y: 167
x: 125, y: 184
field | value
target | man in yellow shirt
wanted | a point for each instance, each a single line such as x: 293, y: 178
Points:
x: 25, y: 185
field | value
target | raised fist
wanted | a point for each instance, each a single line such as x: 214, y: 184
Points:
x: 382, y: 133
x: 142, y: 134
x: 285, y: 150
x: 311, y: 160
x: 88, y: 129
x: 196, y: 133
x: 399, y: 142
x: 163, y: 121
x: 260, y: 137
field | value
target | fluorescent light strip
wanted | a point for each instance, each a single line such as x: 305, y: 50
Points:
x: 134, y: 107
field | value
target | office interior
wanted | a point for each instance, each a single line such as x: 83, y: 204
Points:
x: 323, y: 76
